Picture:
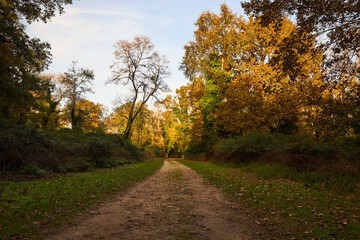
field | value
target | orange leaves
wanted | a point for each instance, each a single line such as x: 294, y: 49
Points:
x: 216, y: 36
x: 263, y: 78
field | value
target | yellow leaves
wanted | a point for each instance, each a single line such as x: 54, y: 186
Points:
x: 91, y: 115
x: 216, y: 36
x: 266, y: 79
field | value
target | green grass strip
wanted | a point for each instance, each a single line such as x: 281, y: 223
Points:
x: 27, y: 206
x: 288, y: 209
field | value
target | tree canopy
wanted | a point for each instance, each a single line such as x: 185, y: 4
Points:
x: 76, y: 82
x: 22, y: 58
x: 137, y: 64
x: 334, y: 22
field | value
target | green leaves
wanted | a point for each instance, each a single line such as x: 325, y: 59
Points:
x: 22, y: 58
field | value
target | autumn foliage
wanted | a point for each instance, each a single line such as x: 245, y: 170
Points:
x: 268, y: 74
x: 247, y: 76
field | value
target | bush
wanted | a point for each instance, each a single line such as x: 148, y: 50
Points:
x: 196, y: 150
x: 260, y: 143
x: 33, y: 170
x: 61, y: 151
x: 22, y: 145
x: 104, y: 162
x: 349, y: 147
x: 101, y: 149
x: 293, y: 150
x: 153, y: 151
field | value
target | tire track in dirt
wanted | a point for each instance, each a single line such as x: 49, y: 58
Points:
x: 174, y: 203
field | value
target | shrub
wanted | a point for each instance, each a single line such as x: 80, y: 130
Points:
x: 253, y: 144
x: 349, y: 147
x: 153, y: 151
x: 196, y: 150
x: 21, y: 145
x: 105, y: 162
x: 293, y: 150
x: 61, y: 151
x: 33, y: 170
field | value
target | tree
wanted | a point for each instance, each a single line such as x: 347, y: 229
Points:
x: 137, y: 64
x: 147, y: 128
x: 176, y: 124
x: 256, y: 78
x: 214, y: 44
x: 212, y: 56
x: 335, y: 24
x: 48, y: 97
x: 76, y: 82
x: 90, y: 115
x: 142, y: 124
x: 339, y: 20
x: 22, y: 58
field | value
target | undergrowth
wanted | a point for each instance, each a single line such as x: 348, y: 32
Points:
x: 27, y: 150
x: 341, y: 154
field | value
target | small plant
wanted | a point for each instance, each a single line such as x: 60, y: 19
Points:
x: 105, y: 162
x: 33, y: 170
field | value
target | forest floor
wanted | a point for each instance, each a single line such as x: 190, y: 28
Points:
x: 174, y: 203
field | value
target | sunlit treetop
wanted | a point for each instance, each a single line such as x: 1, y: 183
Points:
x: 335, y: 22
x: 34, y: 10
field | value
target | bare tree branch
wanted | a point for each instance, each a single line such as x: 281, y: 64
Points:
x: 138, y: 65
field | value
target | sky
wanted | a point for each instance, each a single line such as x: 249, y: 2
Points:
x: 88, y: 30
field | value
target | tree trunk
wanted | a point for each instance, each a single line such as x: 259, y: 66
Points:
x: 73, y: 118
x: 128, y: 129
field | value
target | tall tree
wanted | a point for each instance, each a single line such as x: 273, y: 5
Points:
x: 22, y: 58
x: 48, y: 97
x: 137, y: 64
x: 76, y: 82
x: 335, y: 24
x: 212, y: 56
x: 338, y: 20
x: 90, y: 116
x: 256, y: 77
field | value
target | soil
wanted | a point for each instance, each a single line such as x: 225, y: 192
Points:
x: 174, y: 203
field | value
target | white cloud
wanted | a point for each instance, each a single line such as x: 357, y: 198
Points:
x: 88, y: 35
x: 134, y: 14
x: 88, y: 29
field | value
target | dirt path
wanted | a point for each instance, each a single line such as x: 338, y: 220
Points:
x: 174, y: 203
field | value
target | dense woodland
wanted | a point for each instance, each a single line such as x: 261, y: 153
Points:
x: 280, y: 84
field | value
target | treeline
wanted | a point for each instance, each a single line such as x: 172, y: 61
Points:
x: 263, y: 87
x: 280, y: 84
x: 46, y: 122
x: 60, y: 130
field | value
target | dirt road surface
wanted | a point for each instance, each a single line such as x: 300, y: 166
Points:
x: 174, y: 203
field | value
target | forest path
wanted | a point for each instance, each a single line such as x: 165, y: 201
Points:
x: 174, y: 203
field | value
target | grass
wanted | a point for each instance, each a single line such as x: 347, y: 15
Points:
x: 288, y: 209
x: 333, y: 181
x: 28, y: 206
